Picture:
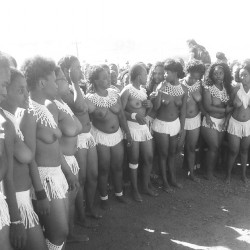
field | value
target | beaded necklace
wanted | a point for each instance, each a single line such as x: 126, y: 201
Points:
x: 139, y: 94
x: 42, y: 113
x: 191, y: 88
x: 15, y: 123
x: 220, y: 94
x: 173, y: 90
x: 104, y: 101
x: 243, y: 96
x: 64, y: 107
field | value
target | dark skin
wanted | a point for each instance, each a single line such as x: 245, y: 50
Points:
x: 217, y: 109
x: 236, y: 144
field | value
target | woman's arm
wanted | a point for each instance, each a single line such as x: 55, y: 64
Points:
x: 18, y: 235
x: 28, y: 127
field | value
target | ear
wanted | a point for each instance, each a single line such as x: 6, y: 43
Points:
x: 41, y: 83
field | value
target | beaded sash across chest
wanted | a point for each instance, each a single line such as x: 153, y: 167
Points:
x: 192, y: 88
x: 220, y: 94
x: 15, y: 123
x: 243, y: 96
x: 42, y: 113
x: 173, y: 90
x: 104, y: 101
x: 64, y: 107
x: 139, y: 94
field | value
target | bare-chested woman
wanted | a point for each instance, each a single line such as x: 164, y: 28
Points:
x: 6, y: 172
x: 155, y: 77
x: 216, y: 92
x: 170, y: 105
x: 195, y: 70
x: 136, y: 105
x: 107, y: 117
x: 18, y: 97
x: 239, y: 123
x: 41, y: 134
x: 86, y: 147
x: 70, y: 127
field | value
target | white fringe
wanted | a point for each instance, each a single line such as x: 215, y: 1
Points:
x: 4, y: 212
x: 108, y: 140
x: 218, y: 123
x: 168, y: 128
x: 51, y: 246
x: 54, y: 182
x: 28, y: 215
x: 72, y: 163
x: 139, y: 132
x: 240, y: 129
x: 85, y: 140
x: 193, y: 123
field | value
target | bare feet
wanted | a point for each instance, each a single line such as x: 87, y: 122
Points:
x: 93, y: 214
x: 150, y: 192
x: 136, y: 196
x: 75, y: 238
x: 192, y: 177
x: 167, y: 189
x: 121, y: 199
x: 177, y: 185
x: 105, y: 205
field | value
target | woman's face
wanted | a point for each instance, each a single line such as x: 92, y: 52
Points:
x: 75, y: 71
x: 50, y: 87
x: 4, y: 81
x: 103, y: 80
x: 244, y: 76
x: 193, y: 77
x: 62, y: 84
x: 17, y: 92
x: 170, y: 76
x: 218, y: 74
x: 158, y: 74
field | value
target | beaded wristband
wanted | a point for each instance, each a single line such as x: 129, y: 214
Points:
x: 133, y: 115
x: 17, y: 222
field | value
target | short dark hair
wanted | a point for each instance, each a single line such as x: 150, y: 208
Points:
x: 93, y: 75
x: 195, y: 66
x: 136, y: 70
x: 66, y: 61
x: 14, y: 73
x: 37, y: 68
x: 174, y: 66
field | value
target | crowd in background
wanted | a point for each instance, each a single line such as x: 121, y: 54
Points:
x: 69, y: 132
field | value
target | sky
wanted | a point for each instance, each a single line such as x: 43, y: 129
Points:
x: 120, y: 31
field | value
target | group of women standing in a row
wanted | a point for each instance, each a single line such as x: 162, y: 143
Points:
x: 53, y: 137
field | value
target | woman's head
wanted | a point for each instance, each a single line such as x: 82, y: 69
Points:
x: 195, y: 70
x: 138, y: 73
x: 4, y: 76
x: 242, y: 73
x: 61, y: 81
x: 219, y: 73
x: 106, y: 68
x: 173, y: 70
x: 17, y: 93
x: 155, y: 76
x: 39, y: 73
x: 98, y: 78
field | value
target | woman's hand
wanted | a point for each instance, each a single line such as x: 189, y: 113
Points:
x: 140, y: 119
x: 209, y: 122
x: 129, y: 139
x: 72, y: 181
x: 18, y: 235
x: 43, y: 206
x: 181, y: 139
x: 147, y: 104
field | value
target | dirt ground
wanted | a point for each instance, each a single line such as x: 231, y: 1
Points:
x: 206, y: 215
